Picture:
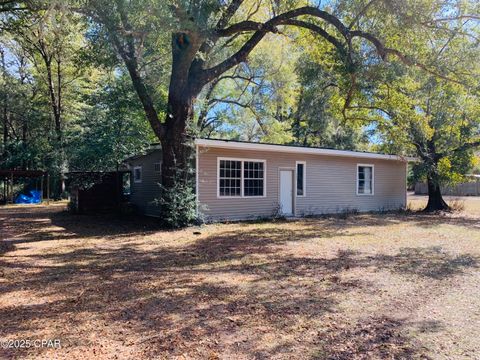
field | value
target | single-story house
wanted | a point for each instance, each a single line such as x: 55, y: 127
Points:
x: 243, y: 180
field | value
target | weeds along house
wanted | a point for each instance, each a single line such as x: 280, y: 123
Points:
x: 243, y: 180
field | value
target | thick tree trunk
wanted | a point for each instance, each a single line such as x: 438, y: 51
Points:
x: 176, y: 151
x: 183, y: 90
x: 175, y: 155
x: 435, y: 199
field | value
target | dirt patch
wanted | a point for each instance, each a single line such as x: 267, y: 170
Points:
x: 365, y: 287
x: 374, y: 338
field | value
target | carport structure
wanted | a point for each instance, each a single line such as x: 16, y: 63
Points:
x: 8, y: 176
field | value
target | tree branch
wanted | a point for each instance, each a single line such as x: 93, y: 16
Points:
x: 383, y: 52
x: 243, y: 26
x: 280, y: 19
x: 207, y: 46
x: 466, y: 146
x: 229, y: 101
x: 317, y: 30
x: 467, y: 16
x: 128, y: 56
x: 208, y: 74
x: 240, y: 77
x: 361, y: 13
x: 370, y: 107
x: 228, y: 13
x: 261, y: 29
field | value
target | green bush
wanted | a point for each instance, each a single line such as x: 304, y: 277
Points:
x: 178, y: 205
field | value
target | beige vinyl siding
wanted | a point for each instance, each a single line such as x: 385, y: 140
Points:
x: 331, y: 184
x: 144, y: 193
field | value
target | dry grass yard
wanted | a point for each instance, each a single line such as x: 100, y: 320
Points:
x: 389, y: 286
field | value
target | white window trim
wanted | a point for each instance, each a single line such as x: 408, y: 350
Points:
x: 373, y: 180
x: 242, y: 160
x: 304, y: 178
x: 218, y: 178
x: 159, y: 168
x: 141, y: 174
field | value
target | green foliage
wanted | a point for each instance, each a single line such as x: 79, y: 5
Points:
x: 441, y: 127
x: 282, y: 96
x: 102, y: 121
x: 153, y: 27
x: 432, y: 112
x: 46, y: 87
x: 318, y: 120
x: 112, y: 128
x: 476, y: 164
x: 254, y: 101
x: 178, y: 205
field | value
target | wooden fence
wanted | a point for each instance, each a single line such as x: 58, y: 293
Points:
x: 471, y: 188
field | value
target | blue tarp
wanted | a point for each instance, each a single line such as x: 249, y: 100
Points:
x: 35, y: 197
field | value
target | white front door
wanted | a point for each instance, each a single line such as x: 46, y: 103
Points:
x: 286, y: 192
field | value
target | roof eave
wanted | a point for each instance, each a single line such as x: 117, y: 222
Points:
x: 299, y: 150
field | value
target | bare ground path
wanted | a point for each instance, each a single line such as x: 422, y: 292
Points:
x: 388, y: 286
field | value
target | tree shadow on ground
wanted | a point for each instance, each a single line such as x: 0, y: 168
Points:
x: 6, y: 247
x: 381, y: 337
x: 178, y: 301
x: 419, y: 218
x: 34, y: 221
x: 43, y: 223
x: 431, y: 262
x: 224, y: 293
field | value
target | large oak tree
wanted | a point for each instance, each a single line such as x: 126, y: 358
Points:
x: 434, y: 117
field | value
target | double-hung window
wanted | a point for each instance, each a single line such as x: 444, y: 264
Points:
x: 230, y: 178
x: 365, y: 180
x: 253, y: 181
x: 241, y: 178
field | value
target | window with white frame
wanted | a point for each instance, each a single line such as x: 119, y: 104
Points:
x: 137, y: 174
x: 301, y: 178
x: 230, y: 178
x: 241, y: 178
x: 157, y: 167
x: 253, y: 178
x: 365, y: 181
